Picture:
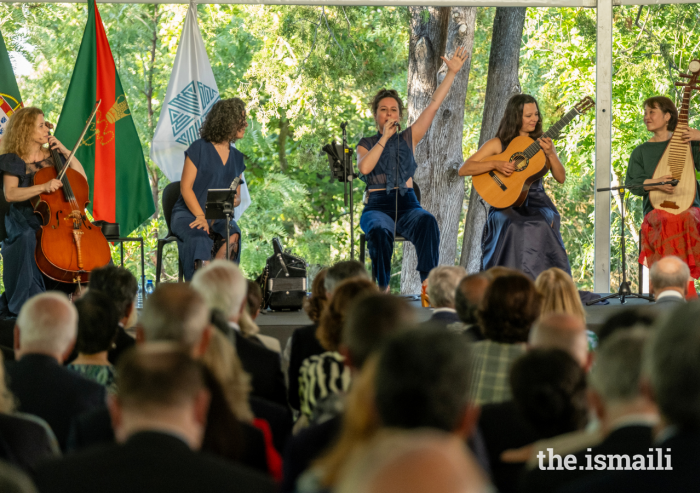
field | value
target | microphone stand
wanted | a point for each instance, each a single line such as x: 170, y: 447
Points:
x: 624, y: 291
x: 349, y: 177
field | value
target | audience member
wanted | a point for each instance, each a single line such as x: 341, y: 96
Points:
x: 254, y: 299
x: 223, y: 287
x: 565, y: 332
x: 371, y: 321
x: 413, y: 462
x: 121, y: 287
x: 324, y: 378
x: 468, y: 297
x: 626, y: 415
x: 246, y: 321
x: 341, y: 271
x: 559, y: 294
x: 625, y: 319
x: 442, y: 283
x: 159, y: 416
x: 549, y: 399
x: 98, y: 322
x: 44, y: 335
x: 668, y: 281
x: 511, y: 305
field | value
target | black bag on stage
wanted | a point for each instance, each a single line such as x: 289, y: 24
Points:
x: 283, y: 282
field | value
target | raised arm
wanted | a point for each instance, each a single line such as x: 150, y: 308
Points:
x: 478, y: 163
x: 422, y: 124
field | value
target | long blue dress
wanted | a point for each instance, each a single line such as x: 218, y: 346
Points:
x: 526, y: 238
x: 21, y: 276
x: 196, y: 244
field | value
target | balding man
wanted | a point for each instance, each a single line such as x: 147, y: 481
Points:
x: 565, y: 332
x: 44, y: 336
x: 668, y: 279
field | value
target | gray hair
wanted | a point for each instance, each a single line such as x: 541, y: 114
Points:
x: 223, y: 287
x: 669, y: 272
x: 48, y: 322
x: 442, y: 284
x: 672, y: 363
x: 342, y: 271
x: 175, y: 313
x: 618, y: 368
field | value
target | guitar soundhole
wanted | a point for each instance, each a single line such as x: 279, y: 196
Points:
x: 520, y: 161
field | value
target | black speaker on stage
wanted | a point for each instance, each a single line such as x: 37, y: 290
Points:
x: 283, y: 281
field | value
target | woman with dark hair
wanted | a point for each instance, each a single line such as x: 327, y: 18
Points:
x: 663, y: 233
x: 386, y: 161
x: 24, y: 150
x: 210, y: 162
x: 526, y: 238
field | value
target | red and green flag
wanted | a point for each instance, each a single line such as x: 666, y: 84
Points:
x: 10, y: 100
x: 111, y: 151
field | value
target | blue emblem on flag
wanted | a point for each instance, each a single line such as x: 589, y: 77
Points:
x: 188, y: 109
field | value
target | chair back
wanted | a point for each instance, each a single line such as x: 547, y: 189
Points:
x: 170, y: 195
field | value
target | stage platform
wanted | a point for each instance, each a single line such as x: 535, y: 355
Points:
x: 281, y: 324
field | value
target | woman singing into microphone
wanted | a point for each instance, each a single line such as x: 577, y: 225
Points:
x: 378, y: 162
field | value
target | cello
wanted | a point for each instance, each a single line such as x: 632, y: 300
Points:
x: 68, y: 245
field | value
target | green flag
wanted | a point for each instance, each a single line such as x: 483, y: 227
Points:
x: 10, y: 100
x: 111, y: 151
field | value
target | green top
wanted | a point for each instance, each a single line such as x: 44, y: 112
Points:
x: 643, y: 163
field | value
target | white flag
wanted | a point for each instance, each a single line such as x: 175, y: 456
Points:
x: 192, y: 91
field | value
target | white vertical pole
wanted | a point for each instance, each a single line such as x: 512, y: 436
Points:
x: 603, y: 144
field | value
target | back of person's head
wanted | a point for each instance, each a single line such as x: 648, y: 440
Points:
x: 442, y: 282
x: 175, y: 313
x: 669, y: 272
x: 314, y: 304
x: 370, y: 321
x: 549, y: 389
x: 223, y: 287
x: 616, y: 375
x: 47, y: 323
x: 330, y: 328
x: 417, y: 461
x: 98, y: 322
x: 469, y: 295
x: 423, y: 379
x: 559, y: 293
x: 562, y: 331
x: 672, y: 364
x: 341, y: 271
x: 501, y: 271
x: 625, y: 319
x: 511, y: 304
x: 117, y: 283
x: 254, y: 298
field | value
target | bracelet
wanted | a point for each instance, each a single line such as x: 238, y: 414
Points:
x: 380, y: 145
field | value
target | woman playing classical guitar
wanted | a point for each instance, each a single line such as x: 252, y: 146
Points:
x: 663, y: 233
x: 23, y: 152
x: 526, y: 238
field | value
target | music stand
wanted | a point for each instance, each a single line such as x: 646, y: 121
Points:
x: 219, y: 205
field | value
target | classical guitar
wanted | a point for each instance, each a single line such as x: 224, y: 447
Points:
x: 677, y: 159
x: 502, y: 191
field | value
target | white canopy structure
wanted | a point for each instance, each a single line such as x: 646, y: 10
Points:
x: 604, y: 70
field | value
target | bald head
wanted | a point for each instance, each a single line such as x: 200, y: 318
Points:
x: 669, y: 273
x: 562, y: 331
x: 417, y: 461
x: 47, y: 324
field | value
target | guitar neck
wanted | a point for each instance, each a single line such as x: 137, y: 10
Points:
x: 553, y: 131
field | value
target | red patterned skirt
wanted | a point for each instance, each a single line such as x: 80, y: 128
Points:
x: 665, y: 234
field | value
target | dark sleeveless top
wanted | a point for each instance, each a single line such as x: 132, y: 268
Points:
x: 384, y: 173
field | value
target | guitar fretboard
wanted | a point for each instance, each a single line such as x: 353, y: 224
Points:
x: 553, y: 131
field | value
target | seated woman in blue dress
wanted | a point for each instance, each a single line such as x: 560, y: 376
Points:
x: 23, y: 152
x: 378, y: 162
x: 211, y: 162
x: 526, y: 238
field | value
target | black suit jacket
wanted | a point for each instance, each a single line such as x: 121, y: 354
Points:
x: 264, y: 367
x: 23, y: 443
x: 52, y: 392
x: 278, y: 417
x: 685, y: 476
x: 149, y: 462
x: 626, y: 440
x: 442, y: 319
x: 304, y: 345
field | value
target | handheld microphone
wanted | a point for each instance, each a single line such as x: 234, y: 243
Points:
x: 397, y: 124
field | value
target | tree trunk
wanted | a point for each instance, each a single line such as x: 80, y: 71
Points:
x: 501, y: 84
x: 436, y: 32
